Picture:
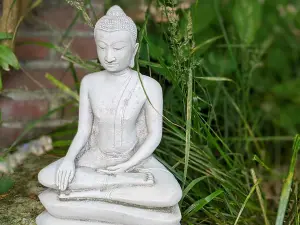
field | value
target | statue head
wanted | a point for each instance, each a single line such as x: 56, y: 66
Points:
x: 115, y: 36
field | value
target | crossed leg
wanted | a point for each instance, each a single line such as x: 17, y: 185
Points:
x: 132, y: 188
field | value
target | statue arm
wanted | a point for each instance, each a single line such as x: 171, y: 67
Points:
x: 84, y: 122
x: 153, y: 112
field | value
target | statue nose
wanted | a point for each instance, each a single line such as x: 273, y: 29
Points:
x: 109, y: 57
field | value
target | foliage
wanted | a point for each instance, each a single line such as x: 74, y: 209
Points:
x: 5, y: 184
x: 233, y: 67
x: 7, y: 56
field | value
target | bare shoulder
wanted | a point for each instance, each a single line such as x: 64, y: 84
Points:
x: 151, y: 84
x: 91, y: 78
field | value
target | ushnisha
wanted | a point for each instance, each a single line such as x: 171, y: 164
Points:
x: 109, y: 175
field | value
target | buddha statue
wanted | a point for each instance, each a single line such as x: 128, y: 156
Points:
x: 109, y: 175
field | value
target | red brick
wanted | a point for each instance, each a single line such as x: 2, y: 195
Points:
x: 70, y: 112
x: 12, y: 110
x: 30, y: 51
x: 61, y: 18
x: 84, y: 47
x: 17, y: 79
x: 8, y: 136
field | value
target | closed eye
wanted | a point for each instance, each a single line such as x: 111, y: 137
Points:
x: 101, y: 47
x: 119, y: 48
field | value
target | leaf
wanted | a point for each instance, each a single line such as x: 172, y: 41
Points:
x: 79, y: 4
x: 195, y: 207
x: 189, y: 106
x: 5, y: 184
x: 257, y: 159
x: 247, y: 15
x: 191, y: 185
x: 245, y: 202
x: 62, y: 86
x: 4, y: 65
x: 215, y: 78
x: 8, y: 57
x: 203, y: 13
x: 5, y: 36
x: 286, y: 189
x: 151, y: 64
x: 205, y: 43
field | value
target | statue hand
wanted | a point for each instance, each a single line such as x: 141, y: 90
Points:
x: 120, y: 168
x: 65, y: 174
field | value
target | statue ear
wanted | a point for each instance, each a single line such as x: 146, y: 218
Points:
x: 136, y: 47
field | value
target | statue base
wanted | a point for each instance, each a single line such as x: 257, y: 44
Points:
x: 77, y: 212
x: 46, y: 219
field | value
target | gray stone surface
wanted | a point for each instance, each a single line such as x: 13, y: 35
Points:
x: 103, y: 211
x: 46, y: 219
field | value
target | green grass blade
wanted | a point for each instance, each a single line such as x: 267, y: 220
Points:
x: 79, y: 4
x: 218, y: 79
x: 209, y: 41
x: 62, y: 87
x: 188, y: 125
x: 75, y: 77
x: 150, y: 64
x: 198, y: 205
x: 260, y: 198
x: 245, y: 202
x: 286, y: 189
x: 191, y: 185
x: 69, y: 28
x: 257, y: 159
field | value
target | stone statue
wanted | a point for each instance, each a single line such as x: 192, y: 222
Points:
x: 109, y: 175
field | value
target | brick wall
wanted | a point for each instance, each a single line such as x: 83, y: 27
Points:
x: 27, y: 93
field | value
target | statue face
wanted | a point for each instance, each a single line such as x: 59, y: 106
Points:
x: 115, y: 50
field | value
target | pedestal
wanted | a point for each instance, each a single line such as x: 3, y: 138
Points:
x: 46, y: 219
x: 76, y: 212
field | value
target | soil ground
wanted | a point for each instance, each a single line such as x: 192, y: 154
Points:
x: 20, y: 206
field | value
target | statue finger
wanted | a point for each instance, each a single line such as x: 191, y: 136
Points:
x: 71, y: 176
x: 62, y: 180
x: 66, y: 180
x: 58, y: 175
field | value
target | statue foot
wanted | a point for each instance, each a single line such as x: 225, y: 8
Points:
x: 145, y: 178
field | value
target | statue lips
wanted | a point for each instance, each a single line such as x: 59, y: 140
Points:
x: 111, y: 64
